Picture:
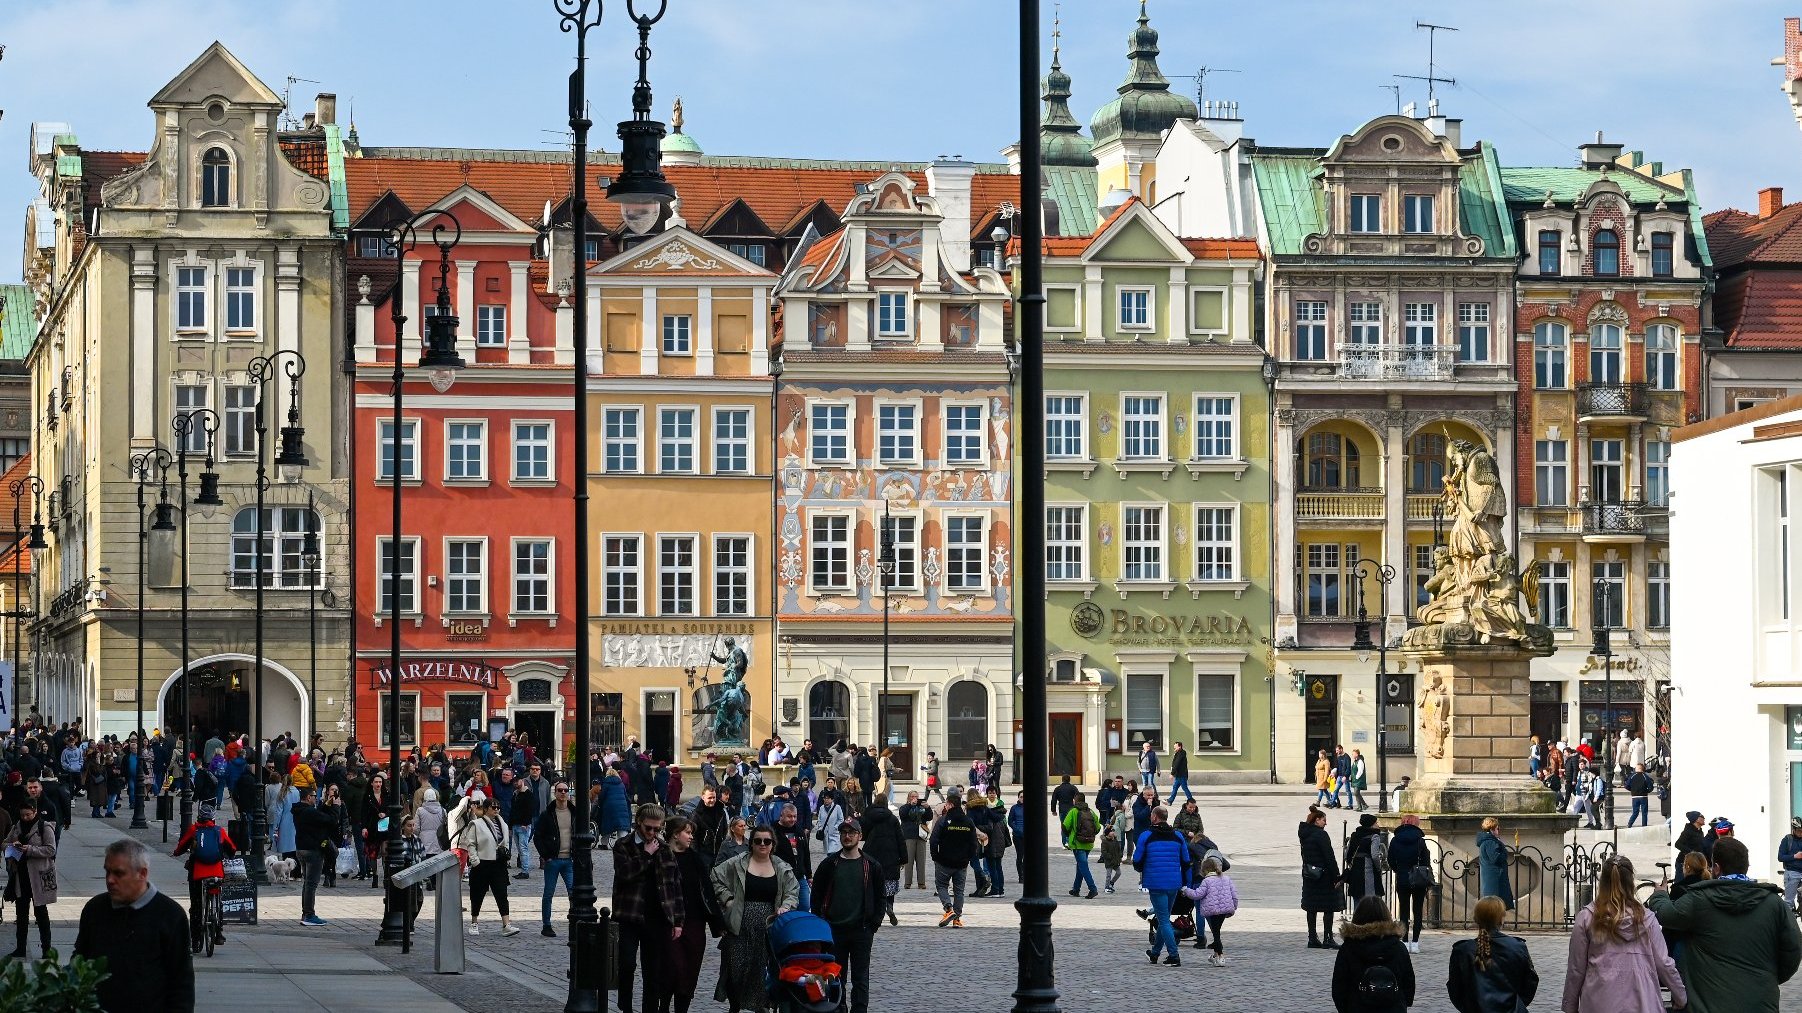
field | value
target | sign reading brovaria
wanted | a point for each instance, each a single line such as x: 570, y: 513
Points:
x: 1128, y: 630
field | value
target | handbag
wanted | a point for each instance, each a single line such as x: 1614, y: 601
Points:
x: 1421, y: 878
x: 502, y: 853
x: 1313, y: 872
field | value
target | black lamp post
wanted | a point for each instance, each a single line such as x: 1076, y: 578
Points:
x: 141, y: 465
x: 641, y: 192
x: 309, y: 557
x: 1385, y: 576
x: 188, y: 423
x: 19, y: 612
x: 441, y: 359
x: 885, y: 565
x: 1036, y: 988
x: 1603, y: 647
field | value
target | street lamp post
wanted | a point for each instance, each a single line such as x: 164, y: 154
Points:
x: 1602, y: 629
x: 441, y: 359
x: 141, y: 464
x: 885, y: 564
x: 641, y: 192
x: 1385, y: 576
x: 309, y: 556
x: 188, y: 424
x: 19, y: 612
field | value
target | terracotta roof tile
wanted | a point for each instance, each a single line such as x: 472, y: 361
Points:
x: 307, y: 154
x: 1736, y: 237
x: 98, y: 167
x: 1761, y: 309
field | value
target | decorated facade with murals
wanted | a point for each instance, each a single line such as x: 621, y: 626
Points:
x: 894, y: 426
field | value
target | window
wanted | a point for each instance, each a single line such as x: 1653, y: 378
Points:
x: 1423, y: 572
x: 466, y: 575
x: 1605, y: 485
x: 1661, y: 357
x: 1554, y: 594
x: 620, y: 575
x: 465, y: 451
x: 753, y: 252
x: 620, y: 440
x: 1607, y: 253
x: 591, y: 249
x: 676, y: 575
x: 1215, y: 429
x: 732, y: 441
x: 1398, y: 713
x: 215, y: 179
x: 532, y: 451
x: 1551, y: 472
x: 12, y: 451
x: 607, y: 719
x: 190, y: 298
x: 191, y: 397
x: 409, y: 576
x: 1426, y: 462
x: 677, y: 339
x: 966, y: 553
x: 830, y: 569
x: 1142, y: 543
x: 1658, y: 472
x: 240, y: 299
x: 1548, y: 356
x: 891, y: 314
x: 828, y: 711
x: 1473, y: 332
x: 1550, y: 256
x: 1366, y: 212
x: 464, y: 717
x: 1420, y: 324
x: 240, y: 418
x: 1142, y: 427
x: 1782, y: 576
x: 1216, y: 542
x: 731, y: 575
x: 1610, y: 580
x: 532, y: 575
x: 1417, y: 213
x: 897, y: 434
x: 374, y: 246
x: 964, y: 443
x: 675, y: 441
x: 966, y: 720
x: 829, y: 433
x: 1144, y: 711
x: 900, y: 533
x: 1310, y: 330
x: 1332, y: 462
x: 409, y: 719
x: 491, y: 326
x: 1366, y: 323
x: 1663, y: 250
x: 1605, y: 354
x: 385, y: 450
x: 1066, y: 542
x: 1214, y: 712
x: 1065, y: 438
x: 1064, y: 670
x: 284, y: 544
x: 1329, y: 567
x: 1658, y: 594
x: 1135, y: 309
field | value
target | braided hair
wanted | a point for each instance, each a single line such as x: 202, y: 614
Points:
x: 1488, y: 915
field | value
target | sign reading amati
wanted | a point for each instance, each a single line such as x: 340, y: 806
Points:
x: 469, y: 673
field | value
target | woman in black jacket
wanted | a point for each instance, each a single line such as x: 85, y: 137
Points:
x: 1412, y: 864
x: 885, y: 843
x: 1372, y: 973
x: 1361, y: 876
x: 1492, y: 973
x: 1320, y: 896
x: 1693, y: 837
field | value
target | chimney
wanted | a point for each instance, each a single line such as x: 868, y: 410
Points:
x: 307, y: 122
x: 325, y: 108
x: 1599, y: 154
x: 1770, y: 201
x: 948, y: 181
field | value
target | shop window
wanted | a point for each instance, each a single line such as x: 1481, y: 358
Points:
x: 409, y: 720
x: 464, y: 717
x: 607, y: 719
x: 828, y: 713
x: 1214, y: 712
x: 966, y: 720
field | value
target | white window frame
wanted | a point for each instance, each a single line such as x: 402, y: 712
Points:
x: 193, y: 298
x: 1207, y: 670
x: 1658, y: 473
x: 1658, y: 594
x: 238, y: 422
x: 946, y: 523
x: 491, y: 325
x: 410, y: 574
x: 677, y: 334
x: 1614, y: 572
x: 1232, y: 425
x: 477, y: 576
x: 1226, y: 308
x: 1162, y: 449
x: 1127, y: 671
x: 197, y: 434
x: 1365, y: 213
x: 744, y: 443
x: 907, y: 578
x: 1233, y: 567
x: 1474, y: 325
x: 1555, y: 583
x: 1412, y: 206
x: 1364, y: 323
x: 609, y: 570
x: 848, y: 585
x: 284, y: 567
x: 635, y: 441
x: 693, y: 441
x: 894, y: 314
x: 1161, y: 545
x: 1548, y: 469
x: 1128, y: 314
x: 745, y: 571
x: 1310, y: 330
x: 1074, y: 550
x: 692, y: 570
x: 912, y: 433
x: 981, y: 435
x: 237, y: 294
x: 548, y: 577
x: 1551, y: 356
x: 1080, y: 420
x: 408, y: 437
x: 847, y: 434
x: 549, y: 444
x: 453, y: 443
x: 1076, y: 314
x: 1608, y: 455
x: 1420, y: 324
x: 1664, y: 363
x: 1612, y: 351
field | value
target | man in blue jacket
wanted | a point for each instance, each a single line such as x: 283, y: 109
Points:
x: 1342, y: 775
x: 1162, y: 859
x: 1789, y: 858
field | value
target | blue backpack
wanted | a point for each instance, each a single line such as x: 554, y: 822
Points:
x: 208, y: 846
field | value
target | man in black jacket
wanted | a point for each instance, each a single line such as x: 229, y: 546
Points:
x: 866, y: 771
x: 1179, y: 771
x: 552, y: 833
x: 850, y: 898
x: 142, y: 933
x: 795, y: 847
x: 314, y: 831
x: 1639, y: 786
x: 1063, y: 797
x: 953, y: 847
x: 711, y: 824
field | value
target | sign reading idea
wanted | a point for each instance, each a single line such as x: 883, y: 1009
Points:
x: 472, y: 673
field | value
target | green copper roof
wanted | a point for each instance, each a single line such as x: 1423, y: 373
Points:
x: 1567, y: 184
x: 1696, y: 232
x: 1292, y: 204
x: 18, y: 322
x: 334, y: 170
x: 1146, y: 105
x: 1482, y: 210
x: 679, y: 141
x: 1073, y: 188
x: 1060, y: 138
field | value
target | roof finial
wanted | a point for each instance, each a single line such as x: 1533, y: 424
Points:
x: 1143, y: 17
x: 676, y: 116
x: 1057, y: 31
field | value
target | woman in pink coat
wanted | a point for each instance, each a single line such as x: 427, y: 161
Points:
x: 1617, y: 953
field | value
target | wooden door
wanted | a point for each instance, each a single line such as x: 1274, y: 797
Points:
x: 1066, y: 745
x: 898, y: 733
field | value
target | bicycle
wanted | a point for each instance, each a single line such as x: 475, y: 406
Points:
x: 212, y: 913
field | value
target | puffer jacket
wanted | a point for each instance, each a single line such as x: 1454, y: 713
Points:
x: 1162, y: 858
x: 1214, y: 896
x: 1366, y: 946
x: 1323, y: 893
x: 1505, y: 984
x: 1739, y: 943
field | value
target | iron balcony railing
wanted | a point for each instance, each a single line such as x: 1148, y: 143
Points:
x: 1623, y: 517
x: 1396, y: 362
x: 1604, y: 399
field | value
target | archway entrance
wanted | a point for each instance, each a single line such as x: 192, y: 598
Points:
x: 223, y: 700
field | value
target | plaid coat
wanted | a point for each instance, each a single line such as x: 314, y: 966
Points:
x: 634, y: 870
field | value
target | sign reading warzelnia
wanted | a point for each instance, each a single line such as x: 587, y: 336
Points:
x: 1177, y: 630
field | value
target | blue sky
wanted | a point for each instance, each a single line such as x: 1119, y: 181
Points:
x: 1687, y: 81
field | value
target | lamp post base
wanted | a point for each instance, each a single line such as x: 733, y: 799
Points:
x: 587, y: 984
x: 187, y: 808
x: 396, y: 920
x: 259, y: 845
x: 1036, y: 990
x: 138, y: 822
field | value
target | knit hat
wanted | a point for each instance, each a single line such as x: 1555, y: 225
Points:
x: 1367, y: 820
x: 431, y: 794
x: 1693, y: 815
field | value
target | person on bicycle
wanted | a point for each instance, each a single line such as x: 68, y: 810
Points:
x: 208, y: 846
x: 1789, y: 857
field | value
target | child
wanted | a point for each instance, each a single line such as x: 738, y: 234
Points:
x: 1216, y: 899
x: 1112, y: 855
x: 1122, y: 823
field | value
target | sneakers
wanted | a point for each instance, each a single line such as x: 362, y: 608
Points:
x: 1110, y: 889
x: 548, y: 932
x: 509, y: 930
x: 1217, y: 960
x: 313, y: 921
x: 949, y: 917
x: 957, y: 923
x: 1173, y: 960
x: 1152, y: 955
x: 1414, y: 947
x: 472, y: 930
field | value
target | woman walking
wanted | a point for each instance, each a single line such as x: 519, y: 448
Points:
x: 1320, y: 895
x: 31, y: 873
x: 483, y: 837
x: 752, y: 888
x: 375, y: 828
x: 1492, y: 863
x: 1413, y: 868
x: 1372, y: 973
x: 884, y: 841
x: 1323, y: 778
x: 1617, y: 952
x: 684, y: 956
x: 1492, y: 973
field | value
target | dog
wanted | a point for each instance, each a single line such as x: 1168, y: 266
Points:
x: 280, y: 870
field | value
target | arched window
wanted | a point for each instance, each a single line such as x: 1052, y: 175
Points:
x: 1426, y: 462
x: 1331, y: 462
x: 1607, y: 253
x: 215, y: 179
x: 828, y: 713
x: 285, y: 544
x: 966, y: 720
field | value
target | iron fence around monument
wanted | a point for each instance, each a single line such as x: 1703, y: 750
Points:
x: 1548, y: 891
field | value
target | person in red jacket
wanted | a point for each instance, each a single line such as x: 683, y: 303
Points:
x: 208, y: 846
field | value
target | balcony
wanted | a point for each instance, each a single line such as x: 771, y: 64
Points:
x: 1396, y: 362
x: 1425, y: 506
x: 1625, y: 402
x: 1612, y: 521
x: 1314, y: 506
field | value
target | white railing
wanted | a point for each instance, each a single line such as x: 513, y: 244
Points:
x: 1349, y: 505
x: 1396, y: 362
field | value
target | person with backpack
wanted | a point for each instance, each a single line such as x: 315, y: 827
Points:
x: 1216, y: 899
x: 207, y: 846
x: 953, y: 847
x: 1492, y: 973
x: 1081, y: 828
x: 1162, y: 859
x: 1363, y: 872
x: 1372, y: 973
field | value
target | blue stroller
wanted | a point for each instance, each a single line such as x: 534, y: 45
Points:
x: 804, y: 975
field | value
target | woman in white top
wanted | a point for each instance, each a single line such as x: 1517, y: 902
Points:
x: 483, y: 836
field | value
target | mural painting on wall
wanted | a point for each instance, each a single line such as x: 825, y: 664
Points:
x: 826, y: 325
x: 892, y: 252
x: 959, y: 323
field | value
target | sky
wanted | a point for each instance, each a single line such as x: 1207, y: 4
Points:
x: 1687, y: 81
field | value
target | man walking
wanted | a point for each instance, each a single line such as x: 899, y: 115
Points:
x: 1081, y: 828
x: 1162, y: 858
x: 1639, y: 787
x: 1740, y: 942
x: 1179, y: 771
x: 792, y: 846
x: 851, y: 899
x: 1789, y: 859
x: 1148, y: 764
x: 138, y: 931
x: 531, y: 797
x: 647, y: 902
x: 1342, y: 771
x: 551, y: 835
x: 952, y: 846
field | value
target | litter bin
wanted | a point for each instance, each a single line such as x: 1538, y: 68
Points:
x: 165, y: 808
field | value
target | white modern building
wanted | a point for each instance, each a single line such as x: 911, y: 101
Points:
x: 1736, y: 629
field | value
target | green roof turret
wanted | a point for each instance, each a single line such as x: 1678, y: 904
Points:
x: 1146, y: 106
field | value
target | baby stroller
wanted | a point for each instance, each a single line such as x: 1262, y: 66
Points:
x: 1182, y: 919
x: 803, y: 975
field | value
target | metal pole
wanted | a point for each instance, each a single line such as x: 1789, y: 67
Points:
x: 137, y: 789
x: 1382, y: 718
x: 313, y: 616
x: 1608, y: 757
x: 885, y: 565
x: 394, y: 914
x: 18, y: 592
x: 259, y: 813
x: 184, y: 423
x: 1036, y: 988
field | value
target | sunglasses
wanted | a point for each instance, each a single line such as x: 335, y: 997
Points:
x: 764, y: 842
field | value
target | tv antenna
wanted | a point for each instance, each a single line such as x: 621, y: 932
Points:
x: 1200, y: 77
x: 1432, y: 76
x: 288, y: 120
x: 1397, y: 90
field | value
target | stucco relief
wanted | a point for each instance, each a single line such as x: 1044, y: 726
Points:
x: 662, y: 650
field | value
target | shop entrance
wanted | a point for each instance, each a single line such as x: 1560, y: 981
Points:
x: 1322, y: 727
x: 660, y: 723
x: 897, y: 732
x: 1547, y: 716
x: 542, y: 727
x: 1066, y: 745
x: 222, y: 700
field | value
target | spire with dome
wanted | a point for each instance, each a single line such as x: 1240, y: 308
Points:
x: 1146, y: 106
x: 1060, y: 138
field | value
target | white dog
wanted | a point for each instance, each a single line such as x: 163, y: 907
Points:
x: 280, y: 870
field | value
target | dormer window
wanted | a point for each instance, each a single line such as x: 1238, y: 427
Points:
x: 1366, y: 212
x: 1663, y: 250
x: 1607, y: 253
x: 1417, y: 213
x: 1549, y: 254
x: 215, y: 179
x: 891, y: 314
